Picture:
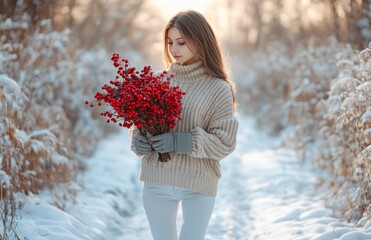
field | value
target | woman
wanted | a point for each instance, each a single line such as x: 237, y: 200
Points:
x: 205, y: 135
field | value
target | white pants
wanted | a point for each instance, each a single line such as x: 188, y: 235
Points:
x: 161, y: 206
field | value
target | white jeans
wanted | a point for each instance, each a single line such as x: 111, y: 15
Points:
x: 161, y: 206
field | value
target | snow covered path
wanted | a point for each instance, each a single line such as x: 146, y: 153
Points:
x: 264, y: 194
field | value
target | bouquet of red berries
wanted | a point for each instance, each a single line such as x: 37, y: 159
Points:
x: 142, y: 99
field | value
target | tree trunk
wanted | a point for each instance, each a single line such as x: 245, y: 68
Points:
x: 336, y: 19
x: 299, y: 19
x: 365, y: 4
x: 7, y: 8
x: 366, y: 12
x: 71, y: 6
x: 354, y: 30
x: 259, y: 22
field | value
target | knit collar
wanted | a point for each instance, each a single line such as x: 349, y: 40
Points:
x: 188, y: 73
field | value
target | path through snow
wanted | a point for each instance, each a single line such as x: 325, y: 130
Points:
x: 264, y: 194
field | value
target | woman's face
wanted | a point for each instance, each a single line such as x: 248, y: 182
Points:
x: 179, y: 47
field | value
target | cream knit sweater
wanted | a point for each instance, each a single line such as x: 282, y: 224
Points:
x: 207, y: 113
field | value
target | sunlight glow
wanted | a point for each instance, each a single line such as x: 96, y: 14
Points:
x: 171, y: 7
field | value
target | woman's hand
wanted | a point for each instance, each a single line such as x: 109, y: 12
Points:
x: 178, y: 142
x: 142, y: 144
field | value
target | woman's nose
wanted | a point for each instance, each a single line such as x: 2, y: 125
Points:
x: 173, y: 49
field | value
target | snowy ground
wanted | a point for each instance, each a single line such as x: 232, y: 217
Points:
x: 264, y: 194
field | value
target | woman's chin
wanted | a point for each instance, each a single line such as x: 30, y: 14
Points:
x: 189, y: 62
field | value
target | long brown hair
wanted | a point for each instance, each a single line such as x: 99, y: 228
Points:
x: 195, y: 28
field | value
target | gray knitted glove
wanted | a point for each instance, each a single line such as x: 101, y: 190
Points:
x: 177, y: 142
x: 142, y: 144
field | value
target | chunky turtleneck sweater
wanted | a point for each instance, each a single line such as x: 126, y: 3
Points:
x: 208, y: 114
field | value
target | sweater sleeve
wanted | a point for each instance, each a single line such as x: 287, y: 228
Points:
x: 218, y: 140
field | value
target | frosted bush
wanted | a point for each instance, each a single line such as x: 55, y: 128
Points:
x: 44, y: 126
x: 43, y: 87
x: 262, y: 81
x: 342, y: 123
x: 321, y: 98
x: 55, y: 82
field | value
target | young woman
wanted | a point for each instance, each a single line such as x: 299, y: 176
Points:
x: 205, y: 135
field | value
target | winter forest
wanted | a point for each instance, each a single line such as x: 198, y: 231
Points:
x: 302, y: 73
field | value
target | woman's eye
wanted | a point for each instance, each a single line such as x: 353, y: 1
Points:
x: 181, y: 43
x: 170, y: 43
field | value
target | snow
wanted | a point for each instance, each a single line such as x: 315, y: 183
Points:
x: 10, y: 86
x: 37, y: 145
x: 366, y: 116
x: 11, y: 91
x: 306, y: 88
x: 59, y: 159
x: 45, y: 132
x: 344, y: 83
x: 9, y: 24
x: 364, y: 85
x: 22, y: 138
x: 4, y: 179
x: 264, y: 194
